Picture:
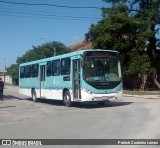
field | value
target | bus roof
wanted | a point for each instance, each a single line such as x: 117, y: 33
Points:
x: 79, y: 52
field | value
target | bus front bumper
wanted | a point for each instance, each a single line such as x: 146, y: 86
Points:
x: 89, y: 96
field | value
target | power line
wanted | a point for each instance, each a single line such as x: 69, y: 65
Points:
x: 44, y: 15
x: 50, y: 5
x: 29, y: 15
x: 50, y: 15
x: 50, y: 12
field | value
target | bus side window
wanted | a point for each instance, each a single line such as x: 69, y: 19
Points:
x: 35, y: 68
x: 28, y: 71
x: 49, y: 68
x: 65, y: 66
x: 56, y: 68
x: 22, y: 72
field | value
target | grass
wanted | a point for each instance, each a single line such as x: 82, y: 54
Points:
x: 141, y: 92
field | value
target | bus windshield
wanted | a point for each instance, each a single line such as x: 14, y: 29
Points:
x: 102, y: 69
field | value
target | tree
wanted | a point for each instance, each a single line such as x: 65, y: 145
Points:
x: 149, y: 14
x: 39, y: 52
x: 43, y: 51
x: 129, y: 26
x: 13, y: 72
x: 116, y: 31
x: 139, y: 64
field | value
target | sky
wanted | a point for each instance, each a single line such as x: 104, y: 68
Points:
x: 24, y: 25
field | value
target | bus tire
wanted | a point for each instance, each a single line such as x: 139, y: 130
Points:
x: 34, y: 97
x: 67, y: 99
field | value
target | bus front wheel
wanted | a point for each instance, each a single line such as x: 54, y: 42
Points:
x: 67, y: 99
x: 34, y: 97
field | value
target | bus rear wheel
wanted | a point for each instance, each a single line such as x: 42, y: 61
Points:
x: 34, y: 97
x: 67, y: 99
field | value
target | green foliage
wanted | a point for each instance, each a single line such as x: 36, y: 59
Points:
x: 13, y: 71
x: 39, y: 52
x: 141, y: 40
x: 43, y: 51
x: 126, y: 27
x: 131, y: 27
x: 116, y: 31
x: 138, y: 64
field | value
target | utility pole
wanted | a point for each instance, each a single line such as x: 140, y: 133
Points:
x: 4, y: 71
x: 4, y: 64
x: 53, y: 48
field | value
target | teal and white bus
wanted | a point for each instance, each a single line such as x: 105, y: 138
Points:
x: 85, y: 75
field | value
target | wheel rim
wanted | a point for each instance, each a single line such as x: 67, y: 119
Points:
x: 67, y: 99
x: 34, y: 96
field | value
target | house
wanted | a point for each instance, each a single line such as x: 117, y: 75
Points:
x: 81, y: 45
x: 5, y: 78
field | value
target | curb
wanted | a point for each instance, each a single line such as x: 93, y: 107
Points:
x: 143, y: 96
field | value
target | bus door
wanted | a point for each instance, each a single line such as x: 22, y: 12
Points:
x: 42, y: 80
x: 76, y: 79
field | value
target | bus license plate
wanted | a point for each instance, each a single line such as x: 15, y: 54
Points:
x: 105, y: 98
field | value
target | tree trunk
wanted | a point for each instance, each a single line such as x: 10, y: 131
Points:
x: 143, y: 83
x: 153, y: 55
x: 156, y: 83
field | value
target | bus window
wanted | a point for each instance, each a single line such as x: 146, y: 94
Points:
x: 56, y: 68
x: 49, y: 71
x: 65, y: 66
x: 22, y: 72
x: 28, y: 71
x: 102, y: 70
x: 35, y: 70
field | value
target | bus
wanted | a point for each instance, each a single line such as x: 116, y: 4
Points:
x: 92, y: 75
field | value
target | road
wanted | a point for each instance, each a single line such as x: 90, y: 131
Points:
x: 129, y: 118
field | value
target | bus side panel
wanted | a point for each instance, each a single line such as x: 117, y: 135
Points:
x: 53, y: 94
x: 26, y: 85
x: 54, y: 86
